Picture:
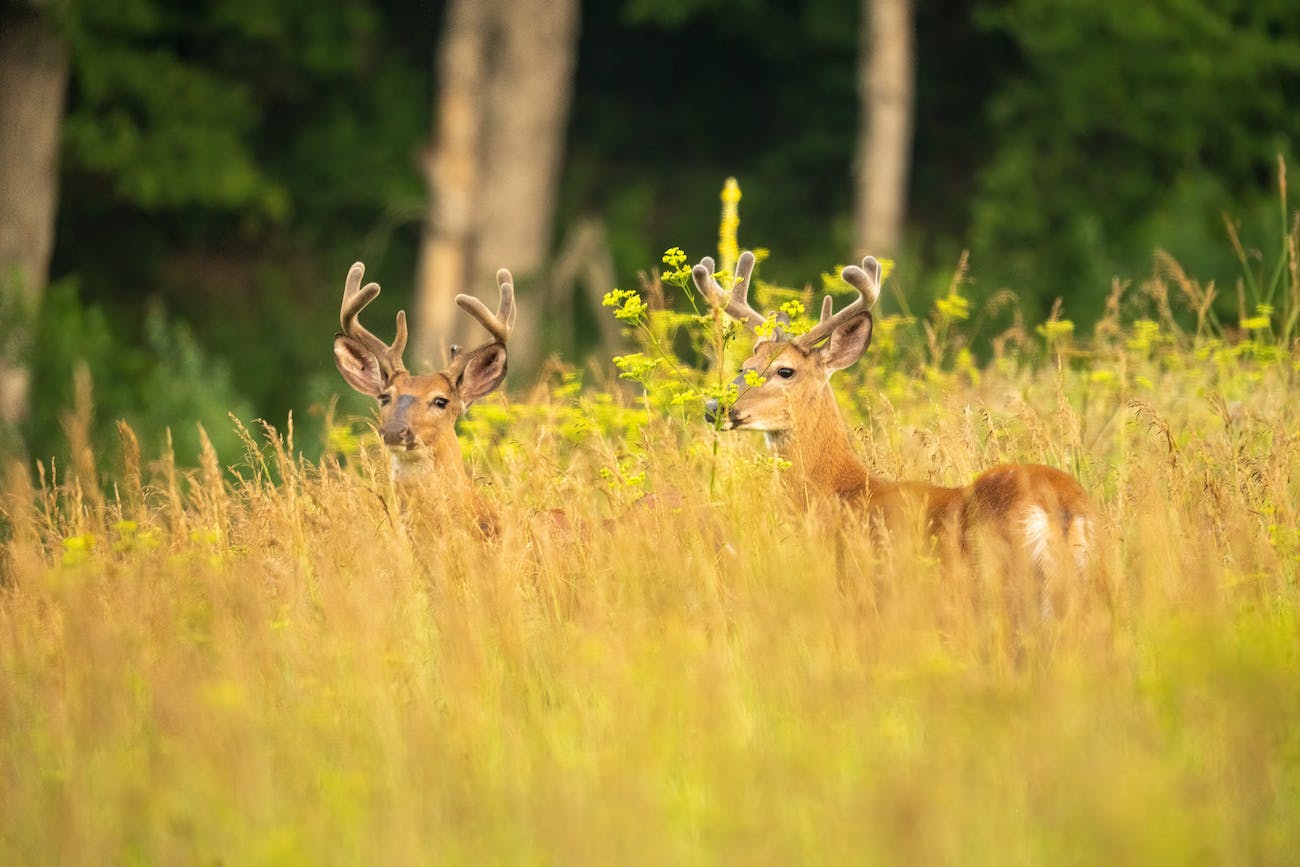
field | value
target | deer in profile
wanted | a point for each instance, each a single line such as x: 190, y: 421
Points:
x: 1039, y: 513
x: 418, y: 412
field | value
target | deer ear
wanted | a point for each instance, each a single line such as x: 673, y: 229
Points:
x: 482, y: 372
x: 847, y: 343
x: 782, y: 329
x: 359, y: 366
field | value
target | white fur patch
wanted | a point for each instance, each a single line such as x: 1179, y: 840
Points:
x: 1037, y: 529
x: 409, y: 465
x: 1042, y: 539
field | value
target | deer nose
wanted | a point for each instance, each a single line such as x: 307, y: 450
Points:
x: 396, y: 434
x: 711, y: 410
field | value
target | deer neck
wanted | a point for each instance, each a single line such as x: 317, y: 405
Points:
x: 820, y: 451
x: 438, y: 465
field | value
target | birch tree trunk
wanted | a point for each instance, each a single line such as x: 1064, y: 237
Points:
x: 33, y: 82
x: 886, y: 76
x: 494, y: 169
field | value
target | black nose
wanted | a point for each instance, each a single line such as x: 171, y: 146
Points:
x: 711, y: 411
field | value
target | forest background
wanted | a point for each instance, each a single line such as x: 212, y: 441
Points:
x: 183, y: 185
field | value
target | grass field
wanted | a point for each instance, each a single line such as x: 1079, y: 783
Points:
x: 291, y: 663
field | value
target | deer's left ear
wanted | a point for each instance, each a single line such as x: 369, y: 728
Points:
x: 482, y: 372
x: 847, y: 343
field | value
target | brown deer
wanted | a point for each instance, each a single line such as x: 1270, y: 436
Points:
x: 1038, y: 513
x: 417, y: 413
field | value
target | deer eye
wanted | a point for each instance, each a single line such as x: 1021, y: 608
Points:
x: 439, y: 402
x: 785, y: 372
x: 385, y: 398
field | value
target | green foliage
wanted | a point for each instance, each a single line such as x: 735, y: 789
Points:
x: 1120, y: 117
x: 156, y: 378
x: 1269, y: 289
x: 167, y: 132
x: 227, y: 160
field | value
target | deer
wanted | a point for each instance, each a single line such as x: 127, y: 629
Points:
x: 1039, y: 513
x: 418, y: 412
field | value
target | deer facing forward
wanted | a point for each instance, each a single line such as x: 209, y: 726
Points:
x: 1039, y: 513
x: 418, y: 412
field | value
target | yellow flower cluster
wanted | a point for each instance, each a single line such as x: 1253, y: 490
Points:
x: 628, y: 304
x: 1146, y: 334
x: 1260, y: 321
x: 674, y: 257
x: 1055, y: 329
x: 678, y: 271
x: 953, y: 308
x: 636, y: 367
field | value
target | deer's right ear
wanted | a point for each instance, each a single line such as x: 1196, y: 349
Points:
x: 359, y: 366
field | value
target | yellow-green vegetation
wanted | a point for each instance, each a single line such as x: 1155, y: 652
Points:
x: 278, y: 662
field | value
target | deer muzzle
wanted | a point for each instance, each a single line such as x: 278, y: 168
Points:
x: 713, y: 412
x: 396, y: 430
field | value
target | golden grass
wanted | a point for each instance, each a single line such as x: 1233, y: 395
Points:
x: 194, y: 670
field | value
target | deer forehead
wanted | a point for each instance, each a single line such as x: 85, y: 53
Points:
x: 426, y: 386
x: 773, y: 352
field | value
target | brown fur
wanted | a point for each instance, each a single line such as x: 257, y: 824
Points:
x: 417, y: 414
x: 1032, y: 509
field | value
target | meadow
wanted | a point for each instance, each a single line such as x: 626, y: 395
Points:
x: 265, y: 660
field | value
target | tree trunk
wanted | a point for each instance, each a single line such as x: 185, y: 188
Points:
x: 494, y: 168
x: 886, y: 74
x: 451, y: 170
x: 34, y: 72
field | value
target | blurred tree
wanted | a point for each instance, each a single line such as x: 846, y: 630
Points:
x: 33, y: 82
x: 493, y: 169
x: 886, y: 74
x: 223, y: 161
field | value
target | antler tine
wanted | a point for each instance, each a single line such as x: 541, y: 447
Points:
x: 737, y: 302
x: 501, y: 325
x: 355, y: 298
x: 866, y: 280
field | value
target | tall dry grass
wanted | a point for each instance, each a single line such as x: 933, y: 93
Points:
x: 295, y: 664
